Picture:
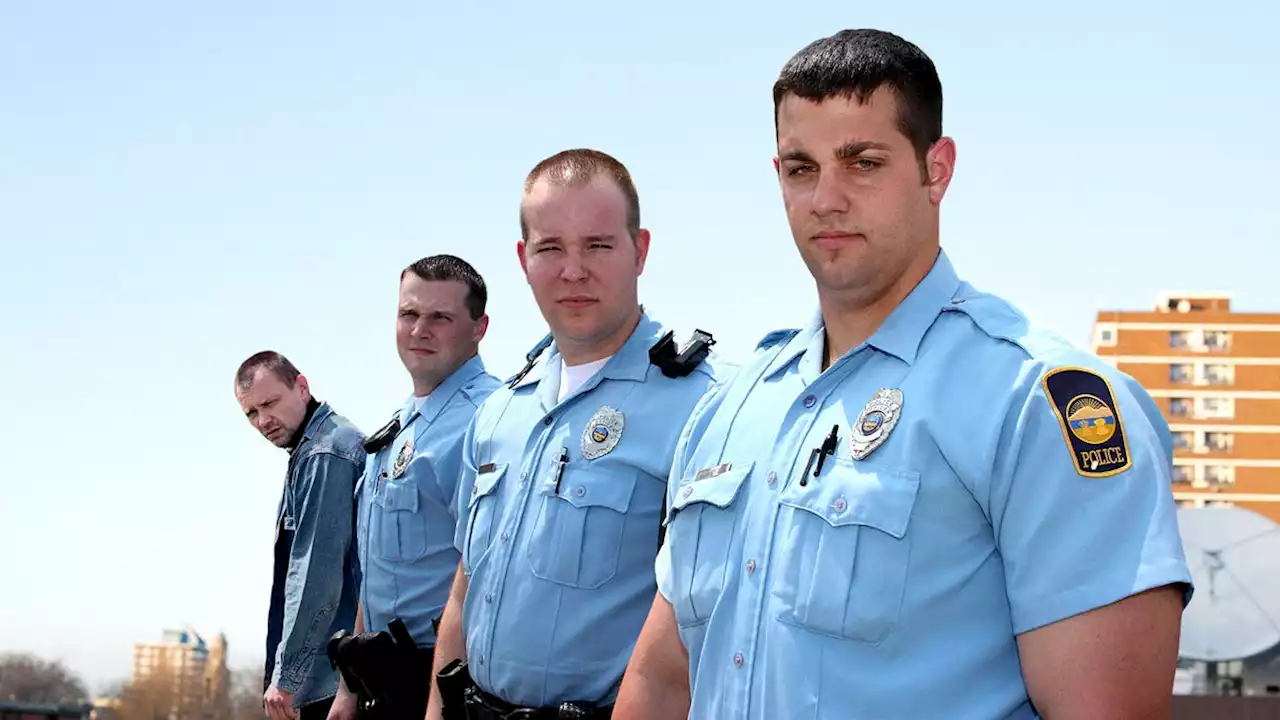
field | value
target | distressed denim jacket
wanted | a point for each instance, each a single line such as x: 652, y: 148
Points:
x: 315, y: 582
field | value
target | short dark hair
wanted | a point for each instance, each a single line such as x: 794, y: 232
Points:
x: 451, y: 267
x: 855, y: 63
x: 577, y: 166
x: 271, y: 361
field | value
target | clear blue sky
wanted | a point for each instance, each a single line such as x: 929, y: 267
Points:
x: 184, y: 184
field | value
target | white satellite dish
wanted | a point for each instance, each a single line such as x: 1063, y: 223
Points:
x: 1234, y: 557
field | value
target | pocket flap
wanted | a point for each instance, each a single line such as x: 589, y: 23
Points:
x: 400, y: 497
x: 486, y: 480
x: 585, y: 489
x: 881, y: 499
x: 719, y: 490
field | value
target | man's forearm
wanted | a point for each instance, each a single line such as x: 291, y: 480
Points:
x: 359, y: 628
x: 450, y: 642
x: 656, y: 683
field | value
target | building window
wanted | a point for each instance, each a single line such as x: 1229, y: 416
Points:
x: 1217, y: 340
x: 1216, y: 408
x: 1182, y: 440
x: 1182, y: 474
x: 1105, y: 336
x: 1219, y: 374
x: 1219, y: 474
x: 1180, y: 407
x: 1219, y: 441
x: 1179, y: 338
x: 1181, y: 374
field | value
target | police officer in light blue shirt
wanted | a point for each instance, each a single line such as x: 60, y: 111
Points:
x: 565, y: 467
x: 407, y: 495
x: 918, y: 505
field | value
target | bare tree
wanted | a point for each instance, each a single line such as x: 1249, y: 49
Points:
x: 246, y: 694
x: 27, y: 678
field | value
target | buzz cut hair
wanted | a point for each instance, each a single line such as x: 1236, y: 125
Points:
x: 442, y: 267
x: 578, y: 166
x: 271, y: 361
x: 856, y: 63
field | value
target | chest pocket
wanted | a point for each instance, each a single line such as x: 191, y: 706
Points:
x: 481, y: 511
x: 700, y: 529
x: 402, y: 530
x: 577, y: 535
x: 844, y: 536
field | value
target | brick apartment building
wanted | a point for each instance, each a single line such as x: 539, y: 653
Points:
x: 1215, y: 374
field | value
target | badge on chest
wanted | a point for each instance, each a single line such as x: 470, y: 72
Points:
x: 602, y: 433
x: 875, y: 423
x: 403, y: 457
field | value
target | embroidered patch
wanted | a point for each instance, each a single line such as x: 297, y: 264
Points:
x: 1090, y: 418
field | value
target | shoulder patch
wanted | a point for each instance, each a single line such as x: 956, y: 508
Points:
x: 776, y: 337
x: 1089, y: 415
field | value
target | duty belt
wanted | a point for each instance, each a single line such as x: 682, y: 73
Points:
x: 481, y: 705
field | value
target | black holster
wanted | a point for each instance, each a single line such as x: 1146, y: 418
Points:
x: 455, y: 685
x: 379, y: 668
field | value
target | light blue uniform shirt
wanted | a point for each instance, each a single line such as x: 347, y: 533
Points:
x: 893, y: 586
x: 407, y: 503
x: 561, y: 579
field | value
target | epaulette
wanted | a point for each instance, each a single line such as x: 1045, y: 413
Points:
x: 383, y: 437
x: 775, y: 337
x: 675, y: 362
x: 530, y: 358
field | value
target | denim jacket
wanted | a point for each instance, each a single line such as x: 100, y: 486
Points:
x: 316, y: 577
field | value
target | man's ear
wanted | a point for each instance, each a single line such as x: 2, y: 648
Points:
x: 642, y: 250
x: 520, y: 246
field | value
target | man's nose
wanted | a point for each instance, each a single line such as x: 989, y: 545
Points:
x: 574, y: 269
x: 829, y: 196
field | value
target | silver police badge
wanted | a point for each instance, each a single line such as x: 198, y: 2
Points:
x: 602, y: 433
x: 402, y: 460
x: 875, y: 423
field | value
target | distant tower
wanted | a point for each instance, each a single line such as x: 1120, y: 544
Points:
x: 217, y: 681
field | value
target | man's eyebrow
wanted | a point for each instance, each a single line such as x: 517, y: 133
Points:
x: 855, y: 148
x: 795, y: 156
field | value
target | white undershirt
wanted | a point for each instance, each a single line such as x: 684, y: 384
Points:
x: 573, y: 376
x: 419, y: 401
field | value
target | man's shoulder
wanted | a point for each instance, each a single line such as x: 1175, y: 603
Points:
x: 479, y: 388
x: 1014, y: 355
x: 1002, y: 331
x: 337, y: 435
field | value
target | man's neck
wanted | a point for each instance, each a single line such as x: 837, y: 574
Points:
x: 572, y: 354
x: 424, y: 386
x: 850, y: 322
x: 312, y: 406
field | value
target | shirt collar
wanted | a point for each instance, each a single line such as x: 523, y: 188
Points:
x: 902, y: 331
x: 317, y: 412
x: 630, y: 362
x: 439, y: 397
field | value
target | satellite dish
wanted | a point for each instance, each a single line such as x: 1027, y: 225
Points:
x: 1184, y: 306
x: 1235, y: 611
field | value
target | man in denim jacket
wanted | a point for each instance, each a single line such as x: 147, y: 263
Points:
x: 315, y: 580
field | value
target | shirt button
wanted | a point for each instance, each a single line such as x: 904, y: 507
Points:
x: 809, y: 401
x: 737, y: 659
x: 839, y: 505
x: 488, y: 597
x: 772, y: 479
x: 548, y: 420
x: 579, y: 491
x: 751, y: 566
x: 688, y: 490
x: 481, y: 659
x: 504, y: 536
x: 524, y: 474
